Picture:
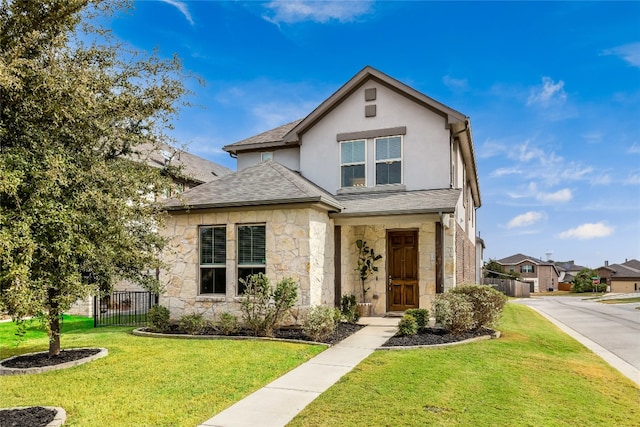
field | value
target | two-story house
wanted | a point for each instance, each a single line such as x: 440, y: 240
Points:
x: 621, y: 278
x: 377, y: 161
x: 541, y: 275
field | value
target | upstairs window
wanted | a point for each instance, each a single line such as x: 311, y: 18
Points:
x: 352, y: 163
x: 389, y: 160
x: 213, y: 257
x: 251, y: 252
x: 526, y: 268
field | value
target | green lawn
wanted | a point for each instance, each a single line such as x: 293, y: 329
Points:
x: 534, y: 375
x: 145, y: 381
x: 621, y: 300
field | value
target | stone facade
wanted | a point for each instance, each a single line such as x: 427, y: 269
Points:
x: 299, y: 244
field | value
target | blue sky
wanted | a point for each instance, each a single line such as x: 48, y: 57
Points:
x: 552, y: 90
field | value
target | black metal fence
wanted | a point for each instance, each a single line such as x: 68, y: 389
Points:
x: 123, y: 308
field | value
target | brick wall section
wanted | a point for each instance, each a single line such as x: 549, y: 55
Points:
x: 465, y: 258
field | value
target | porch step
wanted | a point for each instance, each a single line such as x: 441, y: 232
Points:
x: 394, y: 314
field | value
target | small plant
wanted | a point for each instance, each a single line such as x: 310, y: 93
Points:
x: 262, y: 306
x: 487, y: 303
x: 158, y: 318
x: 349, y: 309
x: 454, y: 312
x: 319, y: 323
x: 192, y: 324
x: 421, y: 315
x: 407, y: 325
x: 227, y: 323
x: 366, y: 264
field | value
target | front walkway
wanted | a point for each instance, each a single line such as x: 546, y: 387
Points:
x: 280, y: 401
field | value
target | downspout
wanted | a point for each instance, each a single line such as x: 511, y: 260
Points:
x: 442, y: 246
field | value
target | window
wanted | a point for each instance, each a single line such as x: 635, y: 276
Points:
x: 512, y: 269
x: 251, y: 252
x: 526, y: 268
x: 266, y: 155
x: 213, y: 257
x: 352, y: 163
x: 389, y: 160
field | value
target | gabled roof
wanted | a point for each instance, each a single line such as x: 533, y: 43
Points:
x: 191, y: 167
x: 398, y: 203
x: 568, y: 265
x: 291, y: 133
x: 628, y: 269
x: 518, y: 258
x: 267, y: 183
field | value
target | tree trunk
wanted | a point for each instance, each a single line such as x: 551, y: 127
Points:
x: 54, y: 325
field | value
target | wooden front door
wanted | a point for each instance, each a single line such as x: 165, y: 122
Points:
x: 402, y: 258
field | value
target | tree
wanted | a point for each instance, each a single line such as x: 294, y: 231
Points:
x: 583, y: 282
x: 76, y: 214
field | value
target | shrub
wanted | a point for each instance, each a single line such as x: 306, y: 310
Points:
x: 487, y: 303
x: 407, y: 325
x: 421, y: 315
x: 192, y: 324
x: 264, y: 307
x: 227, y: 324
x: 349, y: 309
x: 319, y: 323
x: 158, y: 318
x: 454, y: 312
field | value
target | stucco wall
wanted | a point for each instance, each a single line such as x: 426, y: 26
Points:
x: 289, y: 157
x: 297, y: 244
x: 376, y: 237
x: 425, y: 145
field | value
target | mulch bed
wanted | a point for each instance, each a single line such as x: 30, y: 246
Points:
x: 290, y: 333
x: 39, y: 360
x: 433, y: 336
x: 35, y: 416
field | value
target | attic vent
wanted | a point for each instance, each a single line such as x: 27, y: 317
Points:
x: 370, y: 94
x: 370, y: 110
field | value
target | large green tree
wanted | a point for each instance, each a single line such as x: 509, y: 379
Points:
x: 76, y: 214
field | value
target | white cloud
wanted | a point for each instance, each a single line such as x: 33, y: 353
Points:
x: 525, y: 219
x: 182, y: 7
x: 628, y: 52
x: 634, y: 149
x: 455, y: 84
x: 633, y: 179
x: 563, y: 195
x: 587, y: 231
x: 505, y: 171
x: 548, y: 93
x: 294, y: 11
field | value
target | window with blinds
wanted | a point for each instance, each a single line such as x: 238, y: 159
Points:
x: 213, y: 257
x: 251, y: 252
x: 389, y: 160
x: 352, y: 163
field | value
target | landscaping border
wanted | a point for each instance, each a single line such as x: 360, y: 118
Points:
x: 58, y: 420
x: 493, y: 336
x: 142, y: 333
x: 25, y: 371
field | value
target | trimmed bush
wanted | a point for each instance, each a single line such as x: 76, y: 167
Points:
x: 319, y: 323
x: 407, y: 325
x: 264, y: 307
x: 227, y: 324
x: 349, y: 309
x: 454, y: 312
x: 421, y: 315
x: 487, y: 303
x: 158, y: 318
x: 192, y: 324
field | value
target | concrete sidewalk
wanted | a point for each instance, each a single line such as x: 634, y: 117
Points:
x: 280, y: 401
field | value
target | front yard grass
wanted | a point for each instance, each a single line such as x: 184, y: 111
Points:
x: 145, y: 381
x: 534, y: 375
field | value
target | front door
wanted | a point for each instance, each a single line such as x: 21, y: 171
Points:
x: 402, y: 258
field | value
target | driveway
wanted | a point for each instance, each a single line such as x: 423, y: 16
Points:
x: 610, y: 330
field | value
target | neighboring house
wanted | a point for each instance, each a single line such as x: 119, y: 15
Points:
x: 377, y: 161
x: 568, y: 271
x: 189, y: 172
x: 541, y: 275
x: 621, y: 278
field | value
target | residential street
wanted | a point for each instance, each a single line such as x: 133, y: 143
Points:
x: 613, y: 327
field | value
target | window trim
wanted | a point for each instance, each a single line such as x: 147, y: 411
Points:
x: 213, y: 265
x: 363, y: 163
x: 400, y: 159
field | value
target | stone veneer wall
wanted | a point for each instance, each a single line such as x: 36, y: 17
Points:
x: 376, y: 237
x: 299, y: 244
x: 465, y: 258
